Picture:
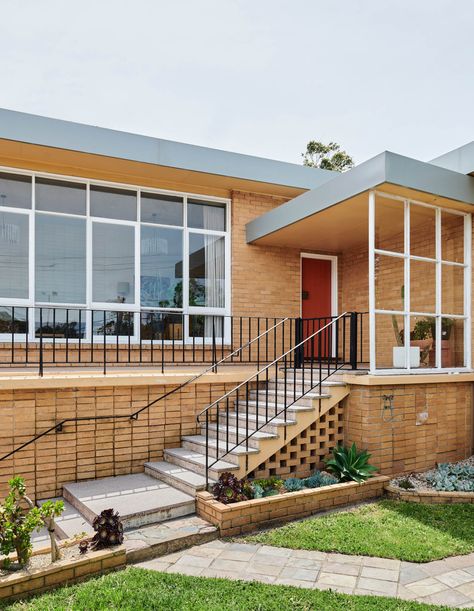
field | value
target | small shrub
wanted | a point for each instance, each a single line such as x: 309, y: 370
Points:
x: 229, y: 489
x: 270, y: 483
x: 406, y: 484
x: 108, y: 530
x: 293, y: 484
x: 452, y: 478
x: 19, y: 518
x: 348, y: 464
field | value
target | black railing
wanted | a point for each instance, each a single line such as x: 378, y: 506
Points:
x: 322, y: 347
x: 46, y: 336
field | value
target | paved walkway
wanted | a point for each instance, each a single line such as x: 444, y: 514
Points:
x: 447, y: 582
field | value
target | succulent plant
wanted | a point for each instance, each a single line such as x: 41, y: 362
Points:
x: 83, y: 546
x: 452, y: 478
x: 348, y: 464
x: 229, y: 489
x: 108, y: 529
x: 293, y: 484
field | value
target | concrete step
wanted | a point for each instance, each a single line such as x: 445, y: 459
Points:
x: 326, y: 386
x: 138, y: 498
x: 177, y: 476
x: 195, y: 461
x: 68, y: 525
x: 290, y: 396
x: 267, y: 411
x: 197, y: 443
x: 271, y: 426
x: 221, y: 432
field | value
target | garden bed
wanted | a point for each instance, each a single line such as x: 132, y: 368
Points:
x: 448, y: 483
x: 247, y: 516
x: 41, y: 575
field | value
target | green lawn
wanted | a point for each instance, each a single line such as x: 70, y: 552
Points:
x: 389, y: 529
x: 141, y: 590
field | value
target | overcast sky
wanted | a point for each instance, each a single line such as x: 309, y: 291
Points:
x: 254, y: 76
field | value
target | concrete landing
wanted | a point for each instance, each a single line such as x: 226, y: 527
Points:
x: 138, y: 498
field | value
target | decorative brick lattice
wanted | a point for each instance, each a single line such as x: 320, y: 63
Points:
x: 303, y: 454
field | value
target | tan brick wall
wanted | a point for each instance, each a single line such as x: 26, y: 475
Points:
x: 93, y: 449
x: 247, y: 516
x: 431, y: 423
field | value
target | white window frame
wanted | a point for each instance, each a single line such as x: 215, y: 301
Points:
x: 406, y: 313
x: 30, y: 302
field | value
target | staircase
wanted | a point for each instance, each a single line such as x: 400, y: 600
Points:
x: 237, y: 433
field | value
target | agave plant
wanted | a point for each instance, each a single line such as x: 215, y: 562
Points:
x: 229, y: 489
x: 348, y: 464
x: 108, y: 530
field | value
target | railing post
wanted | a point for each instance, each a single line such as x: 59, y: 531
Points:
x: 41, y: 366
x: 353, y: 341
x: 299, y: 352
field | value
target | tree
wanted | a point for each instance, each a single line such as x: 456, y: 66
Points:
x: 327, y: 156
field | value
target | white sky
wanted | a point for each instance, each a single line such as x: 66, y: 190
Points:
x: 253, y: 76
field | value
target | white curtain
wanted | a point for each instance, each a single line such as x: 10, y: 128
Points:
x: 215, y: 270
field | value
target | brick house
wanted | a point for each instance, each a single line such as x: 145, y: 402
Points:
x: 144, y: 282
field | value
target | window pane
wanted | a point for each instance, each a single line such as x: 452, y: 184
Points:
x: 15, y: 190
x: 389, y: 224
x: 157, y: 326
x: 421, y: 337
x: 59, y: 323
x: 161, y: 267
x: 206, y: 215
x: 113, y: 323
x: 56, y: 196
x: 452, y: 237
x: 422, y: 286
x: 452, y: 289
x: 113, y: 203
x: 14, y: 244
x: 13, y: 320
x: 389, y: 341
x: 452, y: 343
x: 161, y: 209
x: 389, y: 283
x: 113, y: 248
x: 60, y: 245
x: 206, y: 271
x: 209, y: 327
x: 422, y: 231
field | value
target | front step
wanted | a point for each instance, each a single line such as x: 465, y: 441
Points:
x: 178, y: 477
x: 237, y: 435
x: 197, y: 443
x: 138, y: 498
x: 195, y: 461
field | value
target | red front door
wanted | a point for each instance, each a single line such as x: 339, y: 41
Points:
x: 316, y: 303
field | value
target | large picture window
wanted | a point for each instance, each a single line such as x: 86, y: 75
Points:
x: 137, y: 256
x: 419, y: 285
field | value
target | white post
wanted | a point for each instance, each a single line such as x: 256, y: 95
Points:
x: 372, y: 337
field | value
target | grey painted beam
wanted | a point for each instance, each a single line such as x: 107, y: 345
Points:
x: 56, y: 133
x: 386, y: 167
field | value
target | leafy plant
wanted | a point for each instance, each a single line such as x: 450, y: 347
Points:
x: 229, y: 489
x: 452, y: 478
x: 293, y: 484
x: 406, y: 484
x: 19, y: 518
x: 327, y: 156
x: 421, y: 330
x: 348, y: 464
x: 319, y: 479
x: 108, y: 530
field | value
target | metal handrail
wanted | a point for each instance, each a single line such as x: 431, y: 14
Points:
x: 134, y: 416
x: 264, y: 370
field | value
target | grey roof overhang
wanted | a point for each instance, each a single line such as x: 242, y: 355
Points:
x: 44, y: 131
x: 384, y: 168
x: 460, y: 159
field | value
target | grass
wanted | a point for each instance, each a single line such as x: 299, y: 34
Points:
x: 142, y: 590
x: 388, y: 529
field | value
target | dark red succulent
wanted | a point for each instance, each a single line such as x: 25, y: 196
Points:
x: 108, y: 529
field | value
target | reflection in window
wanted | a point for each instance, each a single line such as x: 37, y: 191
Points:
x: 56, y: 196
x: 208, y: 327
x: 161, y: 267
x: 113, y: 203
x: 113, y: 263
x: 161, y: 326
x: 118, y: 324
x: 60, y: 324
x: 14, y: 245
x: 15, y: 190
x: 13, y: 320
x: 161, y: 209
x: 60, y: 264
x: 206, y: 215
x: 206, y: 270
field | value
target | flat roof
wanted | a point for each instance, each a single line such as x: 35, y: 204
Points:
x: 56, y: 133
x: 459, y: 160
x: 384, y: 168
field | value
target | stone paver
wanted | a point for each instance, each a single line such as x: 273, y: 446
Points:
x: 446, y: 582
